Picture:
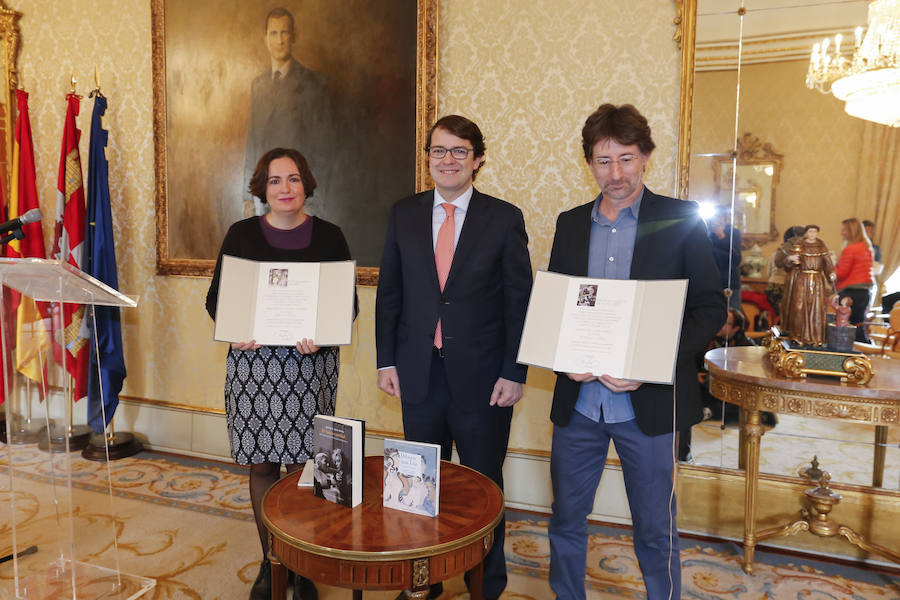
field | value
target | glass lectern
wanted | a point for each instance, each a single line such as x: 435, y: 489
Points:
x: 52, y: 547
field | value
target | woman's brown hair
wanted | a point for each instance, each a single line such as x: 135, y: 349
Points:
x: 260, y: 176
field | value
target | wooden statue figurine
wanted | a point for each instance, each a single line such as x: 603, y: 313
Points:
x: 809, y: 283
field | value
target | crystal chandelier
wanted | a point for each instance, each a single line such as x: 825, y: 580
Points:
x: 869, y: 80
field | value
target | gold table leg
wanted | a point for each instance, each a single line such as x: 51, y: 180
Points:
x: 881, y: 434
x: 815, y: 519
x: 753, y: 431
x: 858, y: 540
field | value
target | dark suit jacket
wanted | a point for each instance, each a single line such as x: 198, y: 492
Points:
x: 671, y: 243
x: 482, y: 308
x: 292, y: 113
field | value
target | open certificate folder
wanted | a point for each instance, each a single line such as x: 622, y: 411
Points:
x: 280, y: 303
x: 624, y: 328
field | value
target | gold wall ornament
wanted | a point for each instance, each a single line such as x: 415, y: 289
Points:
x: 9, y: 38
x: 686, y: 37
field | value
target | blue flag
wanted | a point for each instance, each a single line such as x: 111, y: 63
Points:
x: 100, y: 263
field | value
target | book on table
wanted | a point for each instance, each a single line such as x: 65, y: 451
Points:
x: 306, y: 475
x: 624, y: 328
x: 338, y: 459
x: 412, y: 477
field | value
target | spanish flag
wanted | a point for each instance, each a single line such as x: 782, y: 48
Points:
x: 68, y: 246
x: 32, y: 318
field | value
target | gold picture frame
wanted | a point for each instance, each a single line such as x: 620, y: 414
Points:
x: 171, y: 170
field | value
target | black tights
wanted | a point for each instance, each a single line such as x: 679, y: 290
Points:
x: 262, y: 476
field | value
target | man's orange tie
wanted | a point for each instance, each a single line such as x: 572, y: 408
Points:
x: 443, y: 257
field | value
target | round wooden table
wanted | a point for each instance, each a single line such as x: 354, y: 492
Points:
x: 370, y: 547
x: 744, y: 376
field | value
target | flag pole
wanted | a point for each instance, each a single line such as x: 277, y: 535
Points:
x: 107, y: 373
x: 79, y: 435
x: 21, y: 429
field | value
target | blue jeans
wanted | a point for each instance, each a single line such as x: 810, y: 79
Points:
x: 576, y: 464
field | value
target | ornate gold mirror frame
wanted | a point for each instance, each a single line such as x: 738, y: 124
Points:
x: 686, y: 36
x: 759, y: 156
x: 9, y: 42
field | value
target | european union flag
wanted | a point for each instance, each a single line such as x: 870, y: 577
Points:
x: 100, y: 263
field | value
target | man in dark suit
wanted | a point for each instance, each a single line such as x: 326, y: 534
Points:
x: 452, y: 294
x: 627, y: 232
x: 289, y: 106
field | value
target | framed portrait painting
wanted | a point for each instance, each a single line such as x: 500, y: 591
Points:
x: 350, y: 84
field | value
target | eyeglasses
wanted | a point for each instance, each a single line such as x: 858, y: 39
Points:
x: 439, y: 152
x: 626, y: 162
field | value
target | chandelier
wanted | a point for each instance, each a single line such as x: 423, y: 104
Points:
x: 868, y: 79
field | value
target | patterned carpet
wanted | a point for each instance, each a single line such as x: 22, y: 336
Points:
x: 187, y: 523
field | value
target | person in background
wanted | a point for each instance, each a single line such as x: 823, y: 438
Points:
x: 726, y: 243
x: 877, y: 266
x: 272, y: 393
x: 876, y: 249
x: 775, y: 284
x: 854, y: 273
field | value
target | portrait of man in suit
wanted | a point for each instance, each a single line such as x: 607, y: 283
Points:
x: 452, y: 294
x: 335, y: 80
x: 628, y: 232
x: 289, y: 105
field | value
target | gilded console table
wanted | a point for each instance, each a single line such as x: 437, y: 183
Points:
x: 745, y: 377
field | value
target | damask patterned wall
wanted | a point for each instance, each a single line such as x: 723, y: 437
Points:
x: 528, y: 72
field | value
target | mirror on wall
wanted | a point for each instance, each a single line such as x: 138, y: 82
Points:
x: 778, y: 154
x: 748, y: 180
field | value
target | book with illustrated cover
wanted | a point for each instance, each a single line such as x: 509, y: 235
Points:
x: 412, y: 476
x: 338, y: 459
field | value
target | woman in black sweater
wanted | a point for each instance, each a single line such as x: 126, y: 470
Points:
x: 272, y: 393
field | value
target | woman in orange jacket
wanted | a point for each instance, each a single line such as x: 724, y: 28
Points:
x: 854, y: 273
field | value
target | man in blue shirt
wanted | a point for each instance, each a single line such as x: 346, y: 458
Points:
x: 628, y: 232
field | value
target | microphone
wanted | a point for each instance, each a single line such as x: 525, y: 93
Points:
x: 32, y: 216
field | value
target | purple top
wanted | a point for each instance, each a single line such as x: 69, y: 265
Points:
x: 297, y: 238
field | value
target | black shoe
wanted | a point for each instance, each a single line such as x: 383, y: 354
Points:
x: 262, y: 587
x: 304, y: 589
x: 434, y: 591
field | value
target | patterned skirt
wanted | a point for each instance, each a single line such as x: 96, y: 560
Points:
x: 271, y: 397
